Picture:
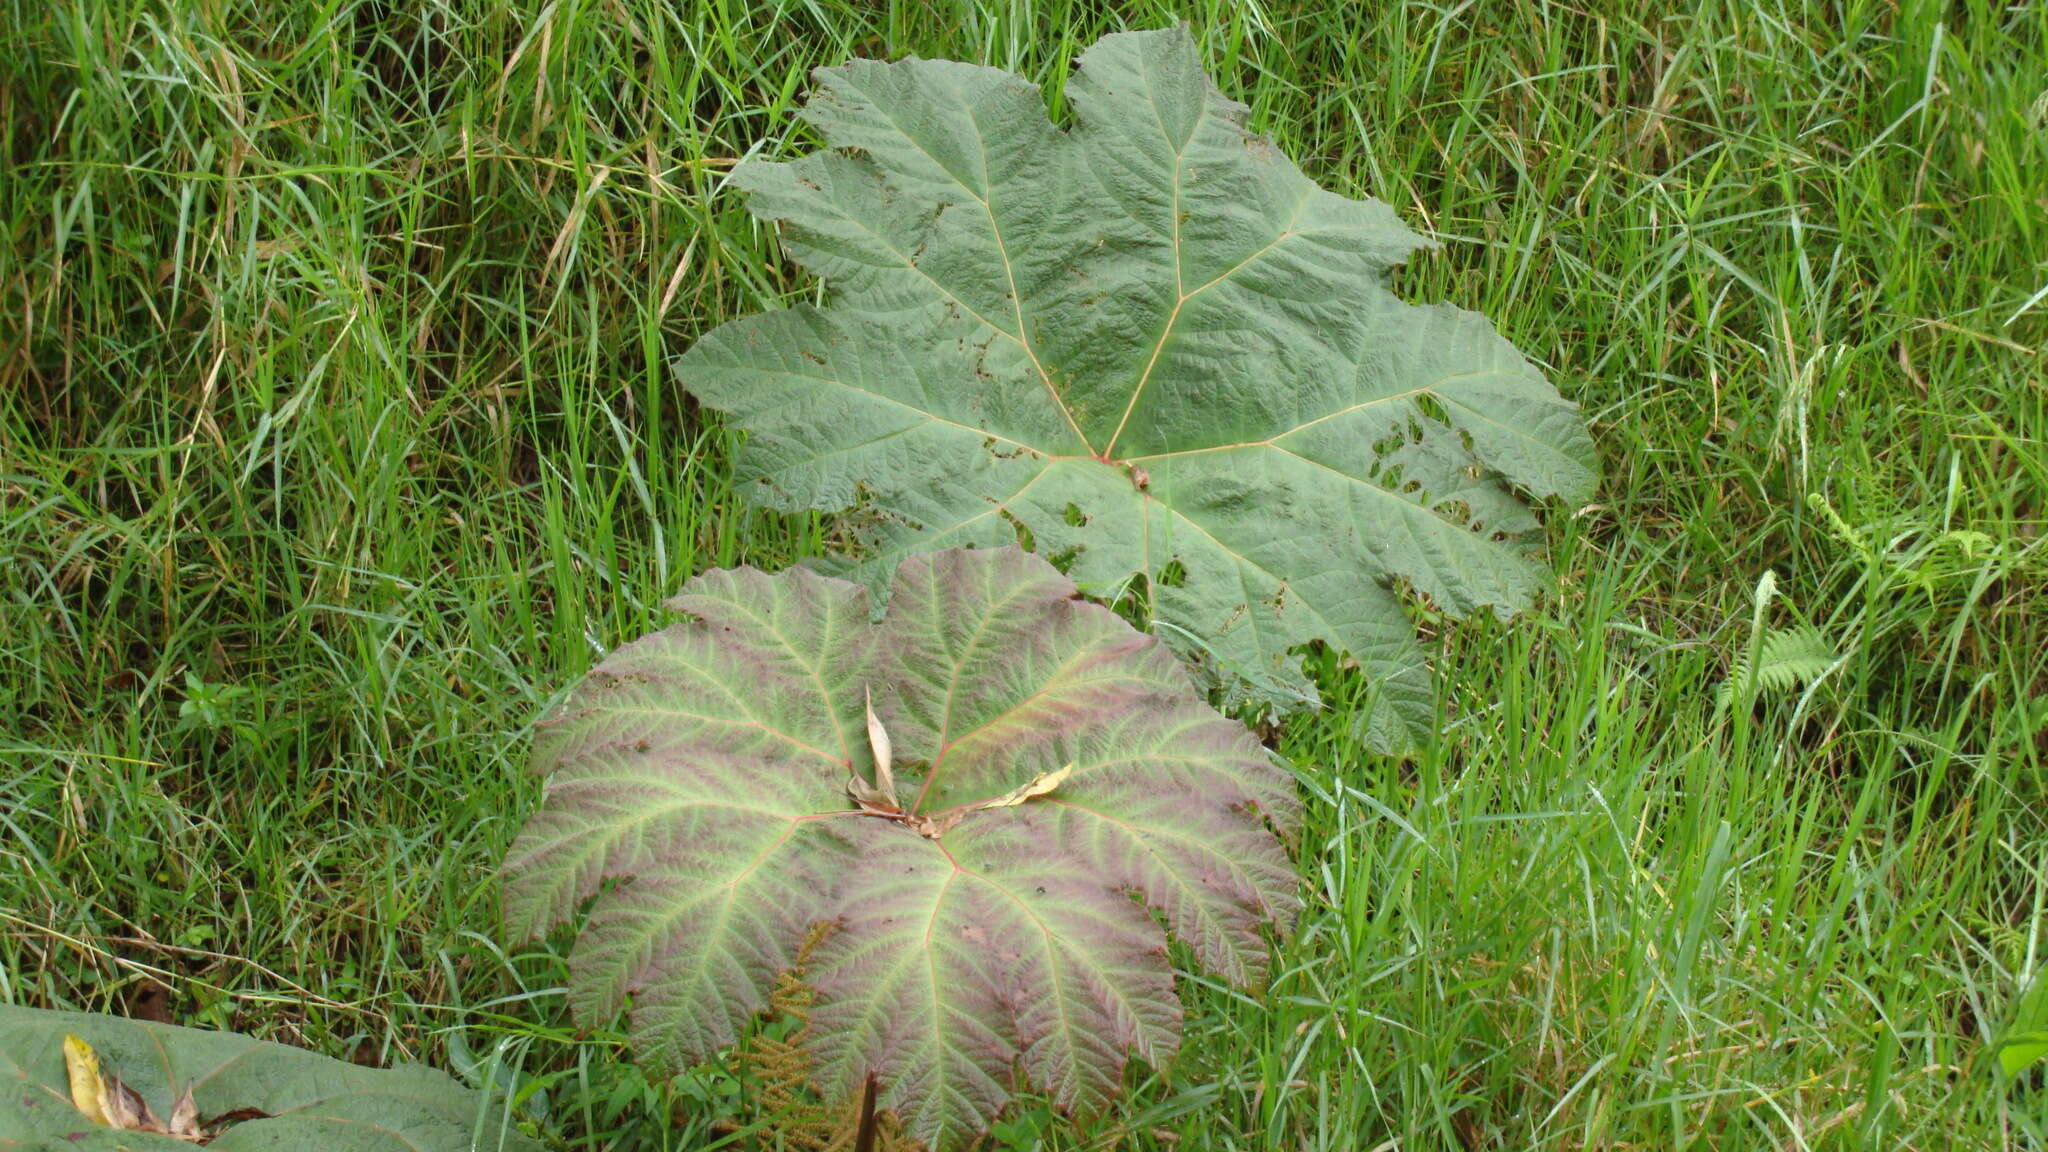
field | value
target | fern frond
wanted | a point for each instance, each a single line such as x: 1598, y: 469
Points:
x: 1786, y: 659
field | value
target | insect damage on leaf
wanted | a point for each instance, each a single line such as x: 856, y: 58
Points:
x: 1049, y: 762
x: 1154, y: 316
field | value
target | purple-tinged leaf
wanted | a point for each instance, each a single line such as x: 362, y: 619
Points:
x: 1050, y: 764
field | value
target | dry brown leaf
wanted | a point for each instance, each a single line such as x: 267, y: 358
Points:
x: 125, y: 1108
x: 185, y: 1118
x: 878, y: 742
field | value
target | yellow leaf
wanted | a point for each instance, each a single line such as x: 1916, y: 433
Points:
x: 104, y: 1099
x: 82, y: 1068
x: 1040, y: 784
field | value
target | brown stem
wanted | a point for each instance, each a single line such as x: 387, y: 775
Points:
x: 864, y: 1138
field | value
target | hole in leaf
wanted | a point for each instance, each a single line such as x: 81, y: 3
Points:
x: 1025, y: 539
x: 1174, y: 575
x: 1075, y: 517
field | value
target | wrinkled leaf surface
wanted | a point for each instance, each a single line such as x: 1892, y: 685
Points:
x: 1152, y: 344
x: 705, y: 770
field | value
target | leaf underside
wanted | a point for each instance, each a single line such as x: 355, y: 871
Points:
x: 293, y: 1099
x: 706, y: 768
x: 1154, y: 346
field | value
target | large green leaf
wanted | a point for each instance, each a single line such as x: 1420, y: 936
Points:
x: 1153, y: 344
x: 708, y: 769
x: 295, y: 1100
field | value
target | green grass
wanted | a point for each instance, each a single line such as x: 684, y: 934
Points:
x: 336, y: 439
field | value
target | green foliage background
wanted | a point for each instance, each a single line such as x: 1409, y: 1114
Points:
x: 336, y: 439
